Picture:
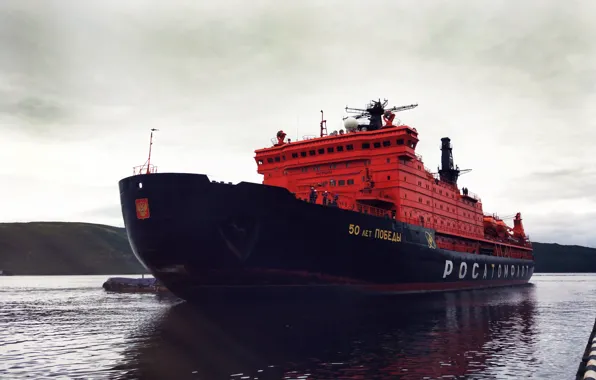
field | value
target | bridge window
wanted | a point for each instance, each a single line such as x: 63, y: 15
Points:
x: 270, y: 160
x: 350, y: 182
x: 340, y: 148
x: 365, y: 146
x: 294, y: 155
x: 260, y: 162
x: 322, y: 151
x: 377, y: 145
x: 312, y: 152
x: 332, y: 182
x: 330, y: 150
x: 341, y: 182
x: 332, y: 166
x: 386, y: 143
x: 277, y: 159
x: 350, y: 147
x: 302, y: 154
x: 400, y: 142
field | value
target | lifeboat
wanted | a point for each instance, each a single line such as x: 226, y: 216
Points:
x: 490, y: 225
x: 502, y: 228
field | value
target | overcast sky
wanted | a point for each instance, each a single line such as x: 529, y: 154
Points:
x: 513, y: 84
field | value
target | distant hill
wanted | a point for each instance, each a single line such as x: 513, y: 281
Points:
x: 556, y: 258
x: 61, y: 248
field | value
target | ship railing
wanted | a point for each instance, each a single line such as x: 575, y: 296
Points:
x: 419, y: 157
x: 372, y: 210
x: 473, y: 196
x: 144, y: 169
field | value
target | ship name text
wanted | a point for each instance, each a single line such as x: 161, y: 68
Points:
x: 486, y: 271
x: 377, y: 233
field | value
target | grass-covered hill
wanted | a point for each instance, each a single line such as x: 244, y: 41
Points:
x: 60, y: 248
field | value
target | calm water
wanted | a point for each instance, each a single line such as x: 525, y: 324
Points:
x: 69, y: 327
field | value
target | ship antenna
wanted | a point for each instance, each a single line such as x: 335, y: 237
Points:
x: 323, y: 125
x: 150, y: 144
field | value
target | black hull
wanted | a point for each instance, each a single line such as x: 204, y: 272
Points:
x: 206, y: 239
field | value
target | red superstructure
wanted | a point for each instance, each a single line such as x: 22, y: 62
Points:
x: 373, y: 168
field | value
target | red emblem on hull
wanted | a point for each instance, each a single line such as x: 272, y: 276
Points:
x: 142, y: 208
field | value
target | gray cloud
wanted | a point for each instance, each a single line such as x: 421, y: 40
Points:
x: 512, y: 83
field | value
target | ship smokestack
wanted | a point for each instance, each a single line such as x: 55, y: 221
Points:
x: 448, y: 172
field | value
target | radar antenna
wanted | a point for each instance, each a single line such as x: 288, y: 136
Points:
x: 375, y: 110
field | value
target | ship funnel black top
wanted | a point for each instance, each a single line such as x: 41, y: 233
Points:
x: 448, y: 172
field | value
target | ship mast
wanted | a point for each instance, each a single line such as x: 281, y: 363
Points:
x: 323, y: 125
x: 146, y: 168
x: 150, y: 144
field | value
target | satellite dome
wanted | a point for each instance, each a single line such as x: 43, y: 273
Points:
x: 351, y: 124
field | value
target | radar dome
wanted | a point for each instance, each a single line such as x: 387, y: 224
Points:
x: 351, y: 124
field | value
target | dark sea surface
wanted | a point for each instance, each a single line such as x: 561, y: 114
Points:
x: 69, y: 327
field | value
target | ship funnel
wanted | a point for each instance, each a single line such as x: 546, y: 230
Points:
x: 448, y: 172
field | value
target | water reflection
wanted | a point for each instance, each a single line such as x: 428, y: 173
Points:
x: 409, y: 337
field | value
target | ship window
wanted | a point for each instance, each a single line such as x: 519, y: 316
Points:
x: 330, y: 150
x: 332, y: 182
x: 350, y: 182
x: 304, y: 170
x: 347, y: 164
x: 388, y: 177
x: 419, y: 183
x: 341, y: 182
x: 377, y: 145
x: 386, y: 143
x: 340, y: 148
x: 303, y: 154
x: 260, y: 162
x: 332, y: 166
x: 400, y: 142
x: 419, y: 199
x: 294, y: 155
x: 311, y: 152
x: 270, y: 160
x: 388, y: 160
x: 350, y: 147
x: 277, y: 159
x: 322, y: 151
x: 283, y: 158
x: 365, y: 146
